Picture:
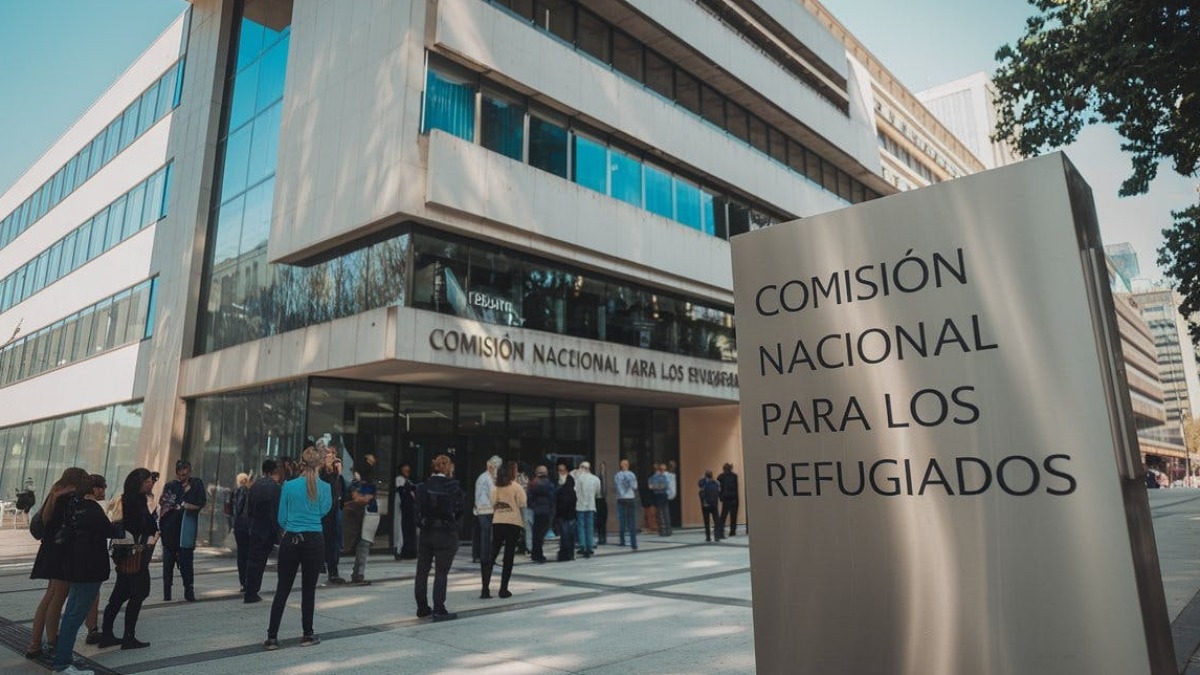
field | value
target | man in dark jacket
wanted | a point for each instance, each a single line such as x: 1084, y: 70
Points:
x: 86, y: 567
x: 178, y: 521
x: 541, y: 502
x: 729, y: 499
x: 440, y: 504
x: 564, y: 513
x: 262, y: 521
x: 710, y: 496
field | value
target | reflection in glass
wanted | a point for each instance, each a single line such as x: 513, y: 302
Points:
x: 591, y: 164
x: 625, y: 177
x: 502, y: 127
x: 548, y: 146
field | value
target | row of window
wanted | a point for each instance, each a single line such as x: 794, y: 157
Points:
x: 590, y: 34
x: 153, y: 104
x: 888, y: 143
x: 897, y: 121
x: 142, y: 206
x: 103, y: 441
x: 115, y: 321
x: 551, y: 143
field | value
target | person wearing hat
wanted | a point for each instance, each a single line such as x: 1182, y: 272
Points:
x: 179, y: 519
x: 541, y: 502
x: 587, y: 486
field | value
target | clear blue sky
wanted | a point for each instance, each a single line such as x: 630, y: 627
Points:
x: 57, y: 56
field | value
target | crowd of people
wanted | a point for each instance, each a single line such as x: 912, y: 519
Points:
x: 312, y: 513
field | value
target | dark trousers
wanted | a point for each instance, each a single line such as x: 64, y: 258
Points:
x: 710, y: 514
x: 662, y: 513
x: 729, y: 507
x: 436, y: 549
x: 408, y: 531
x: 257, y: 552
x: 332, y: 544
x: 541, y: 524
x: 243, y: 553
x: 131, y: 588
x: 506, y: 536
x: 183, y: 558
x: 601, y: 521
x: 299, y: 551
x: 481, y: 539
x: 566, y: 538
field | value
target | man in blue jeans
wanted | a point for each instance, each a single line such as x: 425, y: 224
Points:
x: 587, y: 486
x: 626, y: 484
x: 659, y: 489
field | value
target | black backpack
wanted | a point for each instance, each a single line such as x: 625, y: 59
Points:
x: 441, y: 503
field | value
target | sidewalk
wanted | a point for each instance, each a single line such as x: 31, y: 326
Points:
x: 678, y: 605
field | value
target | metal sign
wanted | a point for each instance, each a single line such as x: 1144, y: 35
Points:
x: 939, y: 447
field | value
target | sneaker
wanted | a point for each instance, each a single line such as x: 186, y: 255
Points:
x: 72, y: 670
x: 93, y: 637
x: 443, y: 615
x: 252, y: 599
x: 133, y: 643
x: 271, y: 644
x: 310, y: 640
x: 423, y: 612
x: 109, y: 640
x: 359, y: 581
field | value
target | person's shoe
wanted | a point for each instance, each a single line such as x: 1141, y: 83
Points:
x: 443, y: 615
x: 72, y: 670
x: 242, y: 589
x: 505, y: 593
x: 423, y: 611
x: 49, y: 648
x: 337, y: 581
x: 166, y: 595
x: 271, y: 644
x: 189, y: 595
x: 708, y: 539
x: 485, y: 595
x: 109, y: 640
x: 359, y: 581
x: 133, y: 643
x: 33, y: 652
x: 310, y: 640
x: 93, y: 637
x: 250, y: 599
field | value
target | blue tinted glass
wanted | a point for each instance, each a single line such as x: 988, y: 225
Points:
x: 256, y: 221
x: 153, y: 304
x: 591, y: 164
x: 547, y: 146
x: 626, y: 179
x: 148, y: 108
x: 449, y: 106
x: 99, y: 228
x: 69, y: 180
x: 112, y: 141
x: 503, y: 127
x: 178, y: 83
x: 237, y: 162
x: 271, y: 72
x: 116, y: 220
x: 97, y: 158
x: 707, y: 213
x: 67, y: 262
x: 229, y: 233
x: 133, y: 211
x: 166, y: 191
x: 166, y: 93
x: 687, y: 203
x: 241, y: 103
x: 82, y: 240
x: 659, y: 197
x: 54, y: 262
x: 263, y: 145
x: 250, y: 43
x: 129, y: 128
x: 40, y: 268
x: 154, y: 197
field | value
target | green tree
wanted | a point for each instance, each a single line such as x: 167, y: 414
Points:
x: 1126, y: 63
x: 1180, y: 258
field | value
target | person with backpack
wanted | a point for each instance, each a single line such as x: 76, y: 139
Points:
x: 440, y: 505
x: 303, y: 502
x: 729, y: 498
x: 262, y: 511
x: 49, y: 564
x: 132, y: 587
x: 179, y: 521
x: 241, y: 526
x: 710, y: 497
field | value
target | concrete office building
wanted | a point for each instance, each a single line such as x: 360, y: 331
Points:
x: 967, y: 107
x: 1176, y: 360
x: 466, y: 226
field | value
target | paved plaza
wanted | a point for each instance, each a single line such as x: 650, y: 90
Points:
x: 678, y: 605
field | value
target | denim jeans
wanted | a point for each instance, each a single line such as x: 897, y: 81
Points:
x: 566, y: 538
x: 481, y: 542
x: 662, y: 506
x: 585, y: 523
x: 301, y: 551
x: 79, y: 602
x: 527, y: 516
x: 626, y: 520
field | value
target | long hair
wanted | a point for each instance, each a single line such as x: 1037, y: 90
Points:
x: 310, y: 461
x: 131, y: 495
x: 73, y: 477
x: 506, y: 476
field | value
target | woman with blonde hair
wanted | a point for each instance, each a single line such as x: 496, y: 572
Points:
x: 241, y: 525
x: 49, y: 563
x: 302, y: 502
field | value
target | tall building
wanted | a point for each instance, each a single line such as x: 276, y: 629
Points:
x: 967, y: 106
x: 466, y: 227
x: 1176, y: 360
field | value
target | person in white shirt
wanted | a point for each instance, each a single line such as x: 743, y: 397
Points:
x: 626, y: 483
x: 586, y: 488
x: 481, y: 540
x: 673, y: 495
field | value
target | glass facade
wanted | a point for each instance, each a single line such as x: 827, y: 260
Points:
x: 152, y: 105
x: 133, y: 211
x: 590, y: 34
x: 102, y: 441
x: 577, y: 153
x: 118, y: 320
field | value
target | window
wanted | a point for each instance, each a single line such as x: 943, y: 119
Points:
x: 522, y: 8
x: 625, y: 177
x: 660, y: 74
x: 129, y: 128
x: 687, y: 91
x: 502, y: 126
x: 591, y: 164
x: 659, y: 195
x: 687, y: 204
x: 759, y: 137
x: 712, y: 105
x: 594, y: 36
x: 133, y: 211
x: 547, y: 146
x: 627, y: 55
x: 737, y: 121
x: 116, y: 220
x: 99, y: 229
x: 450, y: 105
x: 558, y: 17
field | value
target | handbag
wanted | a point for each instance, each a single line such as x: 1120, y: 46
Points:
x: 128, y: 557
x: 370, y: 525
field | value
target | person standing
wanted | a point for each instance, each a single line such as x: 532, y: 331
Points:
x: 541, y: 503
x: 404, y: 524
x: 49, y: 563
x: 262, y: 526
x: 303, y: 503
x: 362, y: 498
x: 440, y: 503
x: 178, y: 521
x: 587, y: 486
x: 85, y: 566
x: 673, y: 495
x: 626, y: 484
x: 710, y: 497
x: 564, y: 513
x: 602, y: 506
x: 331, y: 474
x: 241, y: 528
x: 133, y: 587
x: 659, y: 484
x: 508, y: 524
x: 481, y: 539
x: 729, y: 498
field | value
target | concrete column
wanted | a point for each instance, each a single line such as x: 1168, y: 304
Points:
x: 608, y: 449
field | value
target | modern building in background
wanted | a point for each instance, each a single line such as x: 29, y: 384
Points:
x: 967, y: 107
x: 466, y: 227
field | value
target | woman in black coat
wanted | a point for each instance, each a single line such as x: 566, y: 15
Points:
x: 49, y: 562
x: 139, y: 525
